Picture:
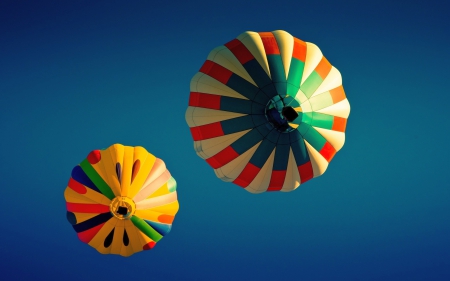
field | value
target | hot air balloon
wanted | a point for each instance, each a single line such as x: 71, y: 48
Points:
x: 121, y: 200
x: 267, y: 111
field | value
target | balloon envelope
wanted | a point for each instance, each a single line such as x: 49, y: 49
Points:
x: 267, y: 111
x: 121, y: 200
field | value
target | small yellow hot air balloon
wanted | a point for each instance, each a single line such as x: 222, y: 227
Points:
x: 121, y: 200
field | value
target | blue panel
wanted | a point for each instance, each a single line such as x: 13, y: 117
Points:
x: 270, y: 90
x: 281, y: 157
x: 284, y: 139
x: 262, y: 98
x: 273, y: 136
x: 235, y: 105
x: 276, y: 68
x: 257, y: 73
x: 161, y: 228
x: 262, y: 153
x: 294, y: 136
x: 80, y: 176
x: 300, y: 153
x: 281, y: 88
x: 237, y: 124
x: 265, y: 128
x: 242, y: 86
x: 92, y: 222
x: 246, y: 142
x: 259, y: 119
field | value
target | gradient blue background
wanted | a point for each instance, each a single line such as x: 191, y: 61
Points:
x: 82, y: 75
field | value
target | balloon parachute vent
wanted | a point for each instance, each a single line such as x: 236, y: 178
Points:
x: 122, y: 211
x: 289, y: 113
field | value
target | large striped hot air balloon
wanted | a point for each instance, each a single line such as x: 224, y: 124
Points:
x: 267, y: 111
x: 121, y: 200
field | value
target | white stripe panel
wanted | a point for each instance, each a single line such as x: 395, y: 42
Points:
x: 152, y: 187
x: 203, y: 83
x: 254, y: 44
x: 285, y: 43
x: 210, y: 147
x: 333, y: 80
x: 156, y: 201
x: 262, y: 180
x: 313, y: 57
x: 203, y: 116
x: 340, y: 109
x: 292, y: 180
x: 232, y: 170
x: 318, y: 163
x: 335, y: 138
x: 223, y: 56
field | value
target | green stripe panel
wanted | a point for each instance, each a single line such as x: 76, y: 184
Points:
x: 295, y: 76
x: 321, y: 101
x: 315, y: 139
x: 322, y: 120
x: 146, y: 228
x: 97, y: 179
x: 307, y: 117
x: 311, y: 84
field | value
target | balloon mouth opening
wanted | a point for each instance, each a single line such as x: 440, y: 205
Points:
x: 122, y: 207
x: 289, y: 113
x: 279, y: 115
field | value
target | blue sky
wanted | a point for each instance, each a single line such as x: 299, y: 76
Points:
x: 83, y: 75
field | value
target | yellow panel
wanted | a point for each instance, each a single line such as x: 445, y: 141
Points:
x: 151, y: 186
x: 157, y: 201
x: 340, y: 109
x: 262, y: 179
x: 319, y: 164
x: 202, y: 116
x: 117, y: 243
x: 163, y: 190
x: 81, y: 217
x: 147, y: 162
x: 210, y: 147
x: 232, y: 170
x: 254, y: 44
x: 206, y: 84
x: 99, y: 238
x: 223, y: 56
x: 127, y: 170
x: 292, y: 180
x: 285, y: 43
x: 73, y: 197
x: 117, y: 152
x: 109, y: 166
x: 89, y: 196
x: 333, y: 80
x: 188, y: 116
x: 313, y: 57
x: 335, y: 138
x: 169, y: 209
x: 135, y: 243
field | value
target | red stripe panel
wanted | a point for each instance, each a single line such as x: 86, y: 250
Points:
x: 149, y: 245
x: 299, y: 51
x: 270, y: 43
x: 222, y: 158
x: 305, y: 171
x: 276, y: 180
x: 87, y: 235
x: 239, y: 51
x: 204, y: 100
x: 328, y: 151
x: 87, y: 208
x: 247, y: 175
x: 339, y: 124
x: 76, y: 186
x: 216, y: 71
x: 208, y: 131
